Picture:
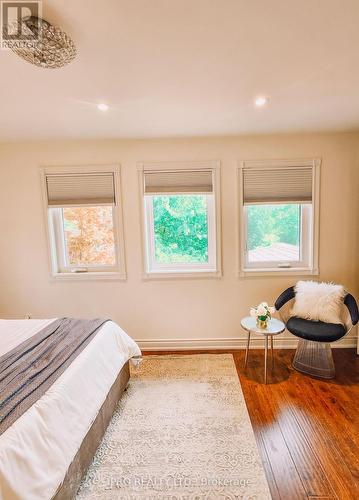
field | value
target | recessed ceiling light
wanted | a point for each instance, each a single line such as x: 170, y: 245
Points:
x: 260, y: 101
x: 102, y: 106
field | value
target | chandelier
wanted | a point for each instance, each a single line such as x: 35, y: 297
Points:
x: 48, y: 46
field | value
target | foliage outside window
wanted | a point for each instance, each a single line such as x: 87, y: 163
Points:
x: 89, y: 236
x: 273, y: 232
x: 180, y: 233
x: 180, y: 229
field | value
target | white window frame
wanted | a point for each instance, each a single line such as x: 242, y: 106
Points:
x: 59, y: 270
x: 309, y: 238
x: 57, y: 221
x: 154, y: 270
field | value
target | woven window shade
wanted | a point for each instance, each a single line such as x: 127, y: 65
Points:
x: 277, y: 185
x: 176, y: 181
x: 80, y: 189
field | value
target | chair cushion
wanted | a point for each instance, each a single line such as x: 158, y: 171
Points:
x: 315, y: 330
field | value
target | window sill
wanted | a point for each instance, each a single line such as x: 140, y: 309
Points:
x: 91, y: 276
x: 164, y: 275
x: 293, y: 271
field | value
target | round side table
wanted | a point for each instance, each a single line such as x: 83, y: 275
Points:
x: 275, y: 327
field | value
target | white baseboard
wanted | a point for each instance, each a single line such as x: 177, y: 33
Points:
x: 227, y: 343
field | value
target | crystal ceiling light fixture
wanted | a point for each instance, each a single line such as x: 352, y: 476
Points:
x: 46, y: 46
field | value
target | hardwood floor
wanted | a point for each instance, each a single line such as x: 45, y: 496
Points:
x: 307, y: 429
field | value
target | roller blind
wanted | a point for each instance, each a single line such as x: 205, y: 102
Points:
x: 273, y: 185
x: 178, y: 181
x: 80, y: 189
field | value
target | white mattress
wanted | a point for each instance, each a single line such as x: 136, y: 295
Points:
x: 36, y: 451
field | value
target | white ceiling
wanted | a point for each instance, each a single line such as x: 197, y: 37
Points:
x: 189, y: 67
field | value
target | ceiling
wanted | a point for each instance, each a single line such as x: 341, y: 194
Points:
x: 189, y: 68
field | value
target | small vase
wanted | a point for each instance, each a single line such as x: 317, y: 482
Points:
x: 262, y: 323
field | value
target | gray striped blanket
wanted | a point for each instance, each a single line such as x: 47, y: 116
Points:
x: 27, y: 371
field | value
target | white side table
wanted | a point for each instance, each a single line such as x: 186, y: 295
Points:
x: 275, y: 327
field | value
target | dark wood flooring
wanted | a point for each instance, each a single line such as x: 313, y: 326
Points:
x: 307, y: 429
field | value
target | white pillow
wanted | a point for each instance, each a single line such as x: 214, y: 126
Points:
x: 318, y: 301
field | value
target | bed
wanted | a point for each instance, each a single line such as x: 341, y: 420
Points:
x: 45, y: 451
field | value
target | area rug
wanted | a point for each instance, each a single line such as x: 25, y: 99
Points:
x: 180, y: 432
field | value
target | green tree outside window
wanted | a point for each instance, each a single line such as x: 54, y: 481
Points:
x: 180, y: 228
x: 270, y: 224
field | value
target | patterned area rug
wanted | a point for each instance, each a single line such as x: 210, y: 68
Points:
x: 180, y: 432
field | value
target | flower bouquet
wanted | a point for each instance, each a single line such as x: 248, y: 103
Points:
x: 263, y: 313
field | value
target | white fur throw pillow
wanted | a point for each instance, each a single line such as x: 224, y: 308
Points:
x: 318, y: 301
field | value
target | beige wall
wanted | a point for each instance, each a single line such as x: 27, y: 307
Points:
x: 174, y: 309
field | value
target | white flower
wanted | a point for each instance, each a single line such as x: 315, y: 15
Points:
x: 261, y: 310
x: 272, y: 310
x: 253, y: 312
x: 264, y: 304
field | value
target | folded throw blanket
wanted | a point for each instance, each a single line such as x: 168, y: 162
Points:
x: 28, y: 370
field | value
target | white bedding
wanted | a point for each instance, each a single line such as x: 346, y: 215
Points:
x: 36, y: 451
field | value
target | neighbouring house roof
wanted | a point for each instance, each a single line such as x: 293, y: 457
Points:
x: 277, y: 252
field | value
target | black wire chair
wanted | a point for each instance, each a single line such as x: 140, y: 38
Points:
x: 314, y: 354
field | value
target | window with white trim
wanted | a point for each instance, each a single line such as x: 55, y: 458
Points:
x: 279, y: 220
x: 83, y: 213
x: 180, y: 221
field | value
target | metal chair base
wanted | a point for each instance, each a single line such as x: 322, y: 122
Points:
x: 314, y: 359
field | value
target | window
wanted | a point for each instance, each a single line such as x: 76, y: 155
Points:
x: 180, y: 222
x: 85, y: 239
x: 82, y: 213
x: 279, y: 217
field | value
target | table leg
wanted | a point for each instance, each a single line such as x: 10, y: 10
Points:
x: 247, y: 350
x: 265, y: 358
x: 272, y: 351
